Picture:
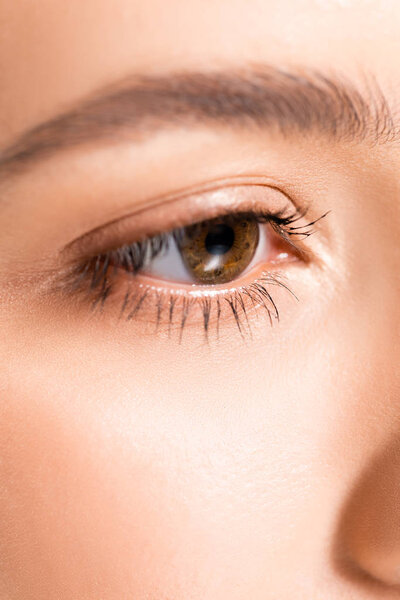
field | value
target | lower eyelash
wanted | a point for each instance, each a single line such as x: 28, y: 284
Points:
x: 174, y: 310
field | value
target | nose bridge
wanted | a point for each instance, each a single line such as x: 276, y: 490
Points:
x: 365, y: 545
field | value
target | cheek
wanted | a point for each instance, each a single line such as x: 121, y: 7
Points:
x: 108, y: 483
x: 87, y: 496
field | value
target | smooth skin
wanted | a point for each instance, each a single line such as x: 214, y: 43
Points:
x: 135, y: 467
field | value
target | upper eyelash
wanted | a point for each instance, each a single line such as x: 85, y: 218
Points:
x: 302, y: 230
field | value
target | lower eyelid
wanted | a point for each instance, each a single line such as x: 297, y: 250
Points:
x: 168, y: 309
x: 196, y: 290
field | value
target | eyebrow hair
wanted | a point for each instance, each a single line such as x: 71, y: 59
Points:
x: 266, y: 97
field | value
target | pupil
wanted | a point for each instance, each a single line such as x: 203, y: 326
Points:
x: 219, y: 239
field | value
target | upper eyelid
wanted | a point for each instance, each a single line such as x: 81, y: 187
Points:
x: 91, y: 240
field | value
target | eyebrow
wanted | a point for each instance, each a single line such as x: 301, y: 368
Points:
x: 301, y: 102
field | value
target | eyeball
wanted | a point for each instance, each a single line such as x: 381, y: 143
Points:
x: 212, y: 252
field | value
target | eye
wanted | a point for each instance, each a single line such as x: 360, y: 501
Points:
x: 212, y: 252
x: 208, y: 272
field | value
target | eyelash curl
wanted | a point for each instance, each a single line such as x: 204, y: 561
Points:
x: 97, y: 279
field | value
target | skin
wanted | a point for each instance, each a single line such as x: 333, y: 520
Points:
x: 132, y: 466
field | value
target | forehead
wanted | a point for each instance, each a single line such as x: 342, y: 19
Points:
x: 56, y: 51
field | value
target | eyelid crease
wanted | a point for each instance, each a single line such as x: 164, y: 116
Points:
x: 162, y: 201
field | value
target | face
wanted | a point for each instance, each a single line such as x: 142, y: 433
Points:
x: 199, y: 315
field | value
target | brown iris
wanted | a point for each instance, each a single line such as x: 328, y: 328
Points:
x: 219, y: 250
